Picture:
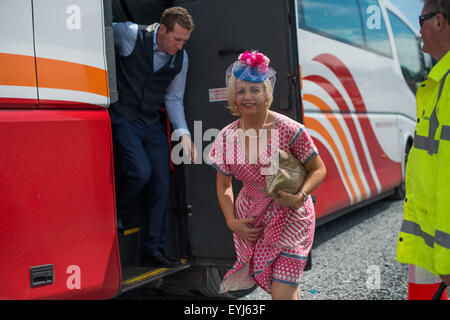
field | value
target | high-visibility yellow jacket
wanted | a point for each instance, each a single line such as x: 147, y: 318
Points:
x: 424, y: 238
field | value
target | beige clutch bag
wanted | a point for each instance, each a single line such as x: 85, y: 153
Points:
x: 289, y: 175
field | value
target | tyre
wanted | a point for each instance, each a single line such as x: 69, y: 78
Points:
x: 400, y: 191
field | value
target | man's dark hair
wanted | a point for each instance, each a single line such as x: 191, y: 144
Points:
x: 177, y: 15
x: 442, y: 6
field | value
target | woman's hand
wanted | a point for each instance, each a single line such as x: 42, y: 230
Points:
x: 244, y: 229
x: 289, y: 200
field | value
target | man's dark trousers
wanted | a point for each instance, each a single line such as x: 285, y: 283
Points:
x: 142, y: 153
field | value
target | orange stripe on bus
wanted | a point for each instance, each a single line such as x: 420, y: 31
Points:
x: 17, y: 70
x: 342, y: 137
x: 59, y: 74
x: 317, y: 126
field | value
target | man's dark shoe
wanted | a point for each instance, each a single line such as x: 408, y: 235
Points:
x: 157, y: 258
x: 175, y: 261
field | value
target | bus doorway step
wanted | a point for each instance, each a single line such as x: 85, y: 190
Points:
x: 137, y: 276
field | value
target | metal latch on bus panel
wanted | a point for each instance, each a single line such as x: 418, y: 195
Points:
x: 41, y: 275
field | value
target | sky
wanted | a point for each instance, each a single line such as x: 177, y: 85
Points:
x: 411, y: 9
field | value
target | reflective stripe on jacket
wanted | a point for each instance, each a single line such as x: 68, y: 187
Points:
x: 424, y: 238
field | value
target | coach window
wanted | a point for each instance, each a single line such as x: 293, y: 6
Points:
x: 408, y: 51
x: 335, y: 18
x: 428, y: 62
x: 377, y: 38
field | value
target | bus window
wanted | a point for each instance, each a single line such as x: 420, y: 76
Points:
x: 377, y: 38
x: 335, y: 18
x: 428, y: 63
x: 408, y: 52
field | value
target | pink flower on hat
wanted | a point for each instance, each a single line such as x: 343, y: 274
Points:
x: 256, y: 60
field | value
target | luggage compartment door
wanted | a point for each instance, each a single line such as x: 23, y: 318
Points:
x: 57, y: 205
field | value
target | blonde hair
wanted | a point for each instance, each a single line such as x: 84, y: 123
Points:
x: 231, y: 94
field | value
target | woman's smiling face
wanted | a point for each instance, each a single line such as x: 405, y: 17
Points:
x: 250, y: 97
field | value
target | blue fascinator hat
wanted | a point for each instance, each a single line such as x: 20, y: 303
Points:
x: 252, y: 67
x: 248, y: 73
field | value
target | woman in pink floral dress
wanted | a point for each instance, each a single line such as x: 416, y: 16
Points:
x: 272, y: 237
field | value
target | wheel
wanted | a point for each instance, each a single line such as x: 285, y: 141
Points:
x: 400, y: 191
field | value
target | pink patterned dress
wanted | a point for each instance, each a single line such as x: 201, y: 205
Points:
x: 280, y: 254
